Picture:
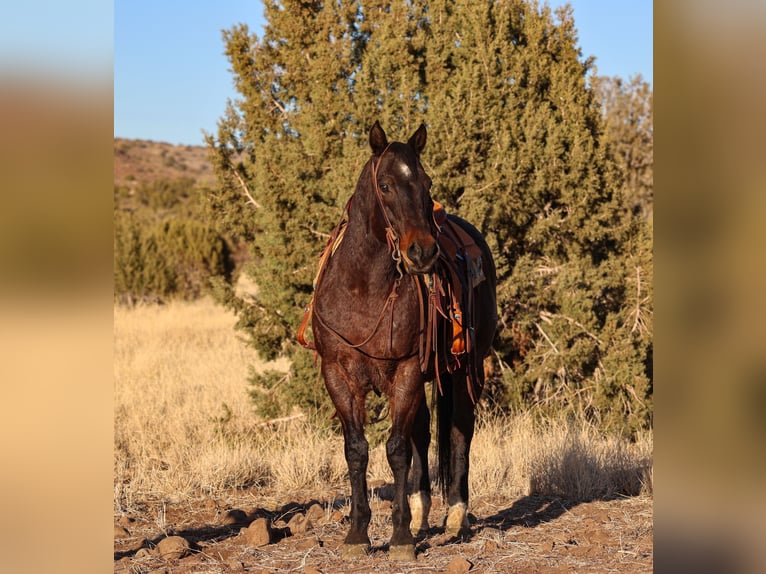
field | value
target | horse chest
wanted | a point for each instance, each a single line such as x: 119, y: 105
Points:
x: 379, y: 323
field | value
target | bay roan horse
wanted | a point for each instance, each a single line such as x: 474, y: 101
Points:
x: 380, y: 314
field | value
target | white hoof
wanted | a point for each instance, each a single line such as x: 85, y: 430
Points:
x: 420, y: 506
x: 457, y: 519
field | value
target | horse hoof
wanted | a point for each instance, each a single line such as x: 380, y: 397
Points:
x: 402, y: 552
x: 457, y: 520
x: 456, y: 532
x: 354, y: 551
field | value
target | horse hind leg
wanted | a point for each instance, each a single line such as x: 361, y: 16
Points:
x: 456, y: 433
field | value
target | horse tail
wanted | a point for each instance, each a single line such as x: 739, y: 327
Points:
x: 444, y: 413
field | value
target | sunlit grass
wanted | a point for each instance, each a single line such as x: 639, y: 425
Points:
x: 184, y: 425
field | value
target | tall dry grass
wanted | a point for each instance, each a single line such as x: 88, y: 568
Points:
x: 184, y: 425
x: 180, y: 375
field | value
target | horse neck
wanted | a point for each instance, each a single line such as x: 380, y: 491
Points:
x: 365, y: 239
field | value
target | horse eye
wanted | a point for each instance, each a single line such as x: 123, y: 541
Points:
x: 384, y: 188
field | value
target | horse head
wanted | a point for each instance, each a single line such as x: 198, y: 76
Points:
x: 402, y: 188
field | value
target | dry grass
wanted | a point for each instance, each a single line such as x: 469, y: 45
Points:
x: 572, y: 459
x: 184, y: 425
x: 180, y: 373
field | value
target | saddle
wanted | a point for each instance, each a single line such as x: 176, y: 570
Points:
x: 446, y: 298
x: 449, y: 291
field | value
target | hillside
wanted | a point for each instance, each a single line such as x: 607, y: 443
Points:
x: 145, y: 161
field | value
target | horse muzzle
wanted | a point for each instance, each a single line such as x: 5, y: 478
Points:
x: 420, y: 256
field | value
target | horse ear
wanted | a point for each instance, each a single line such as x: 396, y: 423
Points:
x: 418, y: 139
x: 378, y: 141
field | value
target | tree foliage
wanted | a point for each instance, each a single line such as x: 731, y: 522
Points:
x: 516, y: 145
x: 162, y: 249
x: 628, y: 109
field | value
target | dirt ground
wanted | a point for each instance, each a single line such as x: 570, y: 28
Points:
x: 250, y: 531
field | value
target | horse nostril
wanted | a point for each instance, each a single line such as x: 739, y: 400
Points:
x: 414, y: 252
x: 422, y: 256
x: 431, y: 251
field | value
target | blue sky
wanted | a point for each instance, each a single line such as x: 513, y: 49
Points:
x: 172, y: 81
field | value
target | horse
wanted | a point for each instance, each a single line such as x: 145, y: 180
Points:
x: 380, y: 315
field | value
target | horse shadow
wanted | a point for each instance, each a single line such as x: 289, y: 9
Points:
x: 528, y: 512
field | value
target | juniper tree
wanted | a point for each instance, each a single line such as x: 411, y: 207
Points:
x: 628, y: 110
x: 522, y: 157
x: 515, y: 146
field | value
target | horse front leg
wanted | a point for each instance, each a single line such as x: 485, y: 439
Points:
x: 357, y: 542
x: 404, y: 405
x: 420, y: 499
x: 349, y: 402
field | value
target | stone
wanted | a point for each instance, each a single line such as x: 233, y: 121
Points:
x: 259, y: 533
x: 299, y: 524
x: 458, y: 565
x: 307, y: 542
x: 337, y: 516
x: 316, y: 513
x: 173, y: 548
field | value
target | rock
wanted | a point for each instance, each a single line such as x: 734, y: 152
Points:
x: 258, y: 533
x: 235, y: 516
x: 458, y: 565
x: 299, y: 524
x: 337, y: 516
x: 311, y: 570
x: 173, y: 548
x: 315, y: 513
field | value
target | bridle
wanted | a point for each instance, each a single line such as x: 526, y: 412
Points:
x: 392, y: 239
x: 433, y: 290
